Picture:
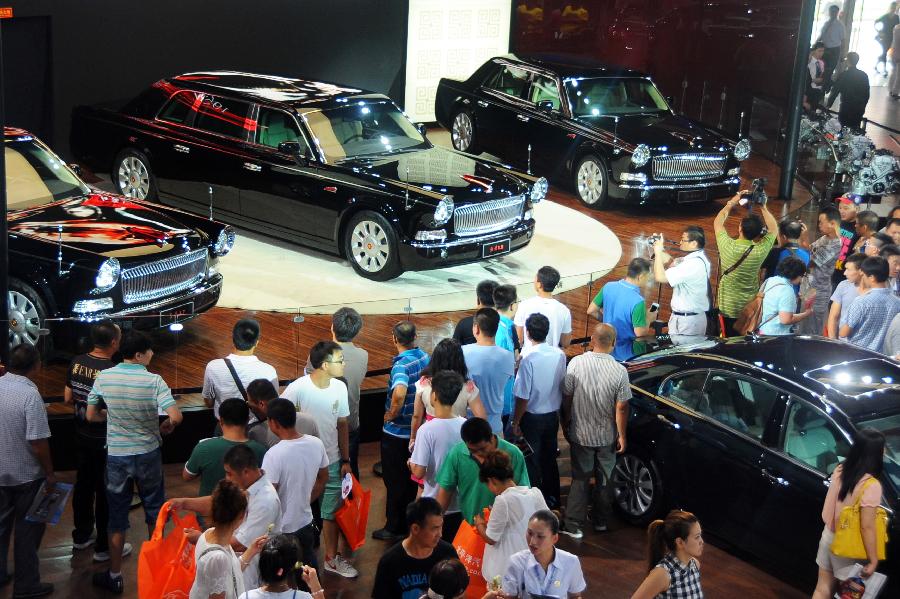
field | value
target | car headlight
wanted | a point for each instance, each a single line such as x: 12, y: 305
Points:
x: 444, y: 211
x: 641, y: 155
x: 107, y: 275
x: 224, y: 242
x: 742, y: 149
x: 539, y: 189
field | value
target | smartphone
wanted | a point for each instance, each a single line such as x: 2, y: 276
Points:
x: 743, y: 201
x: 654, y: 307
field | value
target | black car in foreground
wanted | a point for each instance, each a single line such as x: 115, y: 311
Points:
x: 606, y: 130
x: 322, y: 165
x: 746, y: 432
x: 77, y: 254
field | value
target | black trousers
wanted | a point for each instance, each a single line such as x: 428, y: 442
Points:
x: 354, y: 452
x: 14, y: 504
x: 831, y: 58
x: 401, y: 489
x: 89, y: 506
x: 542, y: 431
x: 850, y: 116
x: 306, y: 538
x: 729, y: 326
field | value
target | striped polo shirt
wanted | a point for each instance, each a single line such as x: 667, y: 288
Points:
x: 134, y: 398
x: 740, y: 286
x: 406, y: 371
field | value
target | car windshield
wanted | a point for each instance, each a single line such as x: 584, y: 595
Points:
x: 362, y: 129
x: 889, y: 426
x: 35, y: 176
x: 610, y: 96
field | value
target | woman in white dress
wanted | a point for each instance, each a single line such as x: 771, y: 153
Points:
x: 504, y: 532
x: 218, y: 568
x: 278, y: 572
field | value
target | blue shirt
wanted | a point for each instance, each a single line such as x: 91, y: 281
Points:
x: 525, y: 575
x: 780, y: 297
x: 491, y: 368
x: 505, y: 339
x: 869, y: 317
x: 624, y: 308
x: 540, y: 379
x: 406, y: 370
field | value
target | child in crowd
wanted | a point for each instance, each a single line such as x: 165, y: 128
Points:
x: 673, y: 546
x: 449, y: 580
x: 278, y: 568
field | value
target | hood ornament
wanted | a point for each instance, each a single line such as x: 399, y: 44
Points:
x: 483, y: 182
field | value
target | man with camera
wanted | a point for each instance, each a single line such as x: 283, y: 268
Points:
x: 742, y: 257
x: 689, y: 278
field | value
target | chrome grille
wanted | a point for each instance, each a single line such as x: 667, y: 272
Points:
x: 493, y: 215
x: 164, y: 277
x: 688, y: 166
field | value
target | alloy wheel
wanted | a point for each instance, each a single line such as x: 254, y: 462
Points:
x: 134, y: 178
x: 369, y: 246
x: 461, y: 132
x: 632, y: 482
x: 24, y: 320
x: 590, y: 181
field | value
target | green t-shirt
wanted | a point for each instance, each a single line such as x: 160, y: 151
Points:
x: 207, y: 460
x: 638, y: 313
x: 738, y: 287
x: 459, y: 473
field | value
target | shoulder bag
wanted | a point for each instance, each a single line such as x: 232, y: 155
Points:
x: 715, y: 325
x: 237, y: 380
x: 848, y: 541
x: 749, y: 318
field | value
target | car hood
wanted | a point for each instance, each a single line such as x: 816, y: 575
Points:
x: 107, y: 225
x: 665, y: 130
x: 436, y: 172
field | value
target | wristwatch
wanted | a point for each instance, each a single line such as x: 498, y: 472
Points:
x: 343, y: 461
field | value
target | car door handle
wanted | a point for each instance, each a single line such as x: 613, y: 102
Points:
x: 523, y: 118
x: 252, y: 167
x: 482, y: 103
x: 772, y: 478
x: 666, y: 421
x: 182, y: 149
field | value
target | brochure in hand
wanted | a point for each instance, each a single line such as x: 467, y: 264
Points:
x: 856, y: 587
x: 48, y: 506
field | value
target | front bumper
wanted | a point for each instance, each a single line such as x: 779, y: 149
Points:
x: 676, y: 193
x: 423, y: 255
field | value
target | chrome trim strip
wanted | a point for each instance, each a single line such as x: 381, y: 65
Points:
x: 651, y: 187
x: 194, y: 292
x: 470, y: 240
x: 163, y: 277
x: 688, y: 166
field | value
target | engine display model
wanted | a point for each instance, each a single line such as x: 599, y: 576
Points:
x: 81, y: 254
x: 606, y: 130
x: 318, y: 164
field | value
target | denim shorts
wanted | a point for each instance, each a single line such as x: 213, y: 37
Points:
x: 125, y: 471
x: 331, y: 496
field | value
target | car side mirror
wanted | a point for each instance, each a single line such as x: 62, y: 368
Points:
x: 295, y: 149
x: 423, y: 131
x: 670, y: 100
x: 545, y: 106
x: 76, y: 168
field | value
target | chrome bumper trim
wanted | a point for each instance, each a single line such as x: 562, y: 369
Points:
x: 652, y: 186
x: 192, y: 293
x: 470, y: 240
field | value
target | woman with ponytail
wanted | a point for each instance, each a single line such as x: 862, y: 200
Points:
x: 279, y: 572
x: 673, y: 546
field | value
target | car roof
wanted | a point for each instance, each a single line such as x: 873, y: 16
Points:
x: 291, y: 91
x: 572, y: 67
x: 807, y: 361
x: 15, y: 132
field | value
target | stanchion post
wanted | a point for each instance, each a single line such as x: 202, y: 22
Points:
x: 4, y: 239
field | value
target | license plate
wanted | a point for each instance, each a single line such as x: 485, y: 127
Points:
x: 495, y: 248
x: 177, y: 314
x: 689, y: 197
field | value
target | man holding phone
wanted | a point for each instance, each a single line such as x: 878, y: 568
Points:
x: 689, y: 278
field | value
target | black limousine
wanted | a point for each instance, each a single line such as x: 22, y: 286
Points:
x: 323, y: 165
x: 606, y: 130
x: 77, y: 254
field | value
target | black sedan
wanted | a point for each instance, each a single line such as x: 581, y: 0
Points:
x: 745, y: 433
x: 330, y: 167
x: 608, y: 131
x: 77, y: 254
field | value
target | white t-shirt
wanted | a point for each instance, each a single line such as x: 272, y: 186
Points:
x: 219, y: 385
x: 293, y: 465
x: 433, y: 441
x: 288, y: 594
x: 218, y: 571
x: 467, y: 395
x: 325, y: 406
x: 263, y: 509
x: 689, y: 278
x: 507, y: 526
x: 558, y: 314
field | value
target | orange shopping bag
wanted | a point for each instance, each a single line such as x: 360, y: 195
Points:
x: 470, y: 547
x: 166, y: 565
x: 353, y: 516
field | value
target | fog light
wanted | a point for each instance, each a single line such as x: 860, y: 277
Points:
x: 439, y: 235
x: 635, y: 177
x: 92, y: 305
x: 529, y: 214
x: 734, y: 171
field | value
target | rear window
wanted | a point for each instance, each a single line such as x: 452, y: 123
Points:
x: 180, y: 108
x: 146, y: 104
x: 224, y: 116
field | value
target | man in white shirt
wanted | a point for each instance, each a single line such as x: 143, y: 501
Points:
x: 259, y: 393
x: 324, y: 397
x: 297, y: 466
x: 689, y: 278
x: 833, y: 35
x: 229, y: 376
x: 559, y: 315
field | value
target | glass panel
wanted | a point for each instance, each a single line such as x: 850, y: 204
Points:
x: 36, y: 176
x: 613, y: 96
x: 890, y: 428
x: 508, y: 80
x: 543, y: 89
x: 859, y: 377
x: 813, y: 439
x: 687, y: 390
x: 179, y: 108
x: 223, y: 116
x: 275, y: 127
x: 739, y: 403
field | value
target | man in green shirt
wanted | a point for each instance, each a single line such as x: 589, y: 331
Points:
x: 459, y: 471
x: 747, y: 251
x: 207, y: 459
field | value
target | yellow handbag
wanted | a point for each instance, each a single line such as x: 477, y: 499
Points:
x: 848, y: 541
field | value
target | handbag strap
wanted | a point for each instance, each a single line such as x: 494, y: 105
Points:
x: 230, y: 567
x: 740, y: 261
x: 762, y: 295
x: 862, y: 491
x: 237, y: 380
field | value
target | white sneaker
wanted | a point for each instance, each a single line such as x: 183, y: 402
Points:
x: 341, y: 567
x: 86, y: 544
x: 103, y: 556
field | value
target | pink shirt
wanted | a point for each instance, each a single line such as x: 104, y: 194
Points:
x: 831, y: 512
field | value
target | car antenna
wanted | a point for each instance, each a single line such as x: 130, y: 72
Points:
x: 616, y: 150
x: 407, y: 187
x: 529, y: 159
x: 59, y: 251
x: 210, y: 203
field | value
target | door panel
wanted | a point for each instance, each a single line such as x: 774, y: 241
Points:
x: 545, y: 131
x: 497, y: 114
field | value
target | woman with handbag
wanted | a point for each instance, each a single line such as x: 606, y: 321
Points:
x: 780, y: 300
x: 852, y: 532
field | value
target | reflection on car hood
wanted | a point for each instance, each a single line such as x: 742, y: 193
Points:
x: 676, y: 133
x: 437, y: 172
x: 109, y: 225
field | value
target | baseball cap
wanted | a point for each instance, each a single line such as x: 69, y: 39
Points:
x: 850, y: 198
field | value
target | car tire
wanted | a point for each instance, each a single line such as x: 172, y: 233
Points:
x: 370, y: 245
x: 27, y: 316
x: 462, y: 132
x: 132, y: 176
x: 591, y: 181
x: 637, y: 489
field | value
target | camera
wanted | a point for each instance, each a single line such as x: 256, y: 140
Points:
x: 651, y: 241
x: 757, y: 193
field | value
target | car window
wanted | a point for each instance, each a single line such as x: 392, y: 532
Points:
x: 223, y: 116
x: 544, y: 89
x: 812, y: 438
x: 740, y: 404
x: 687, y: 390
x: 179, y: 109
x: 508, y: 80
x: 275, y: 127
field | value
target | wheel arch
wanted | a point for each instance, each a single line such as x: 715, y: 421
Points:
x: 365, y: 205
